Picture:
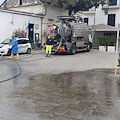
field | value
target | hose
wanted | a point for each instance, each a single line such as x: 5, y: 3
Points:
x: 20, y: 69
x: 62, y: 36
x: 15, y: 75
x: 62, y: 33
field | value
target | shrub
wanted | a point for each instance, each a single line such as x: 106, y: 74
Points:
x: 102, y: 40
x: 112, y: 41
x: 17, y: 32
x: 107, y: 40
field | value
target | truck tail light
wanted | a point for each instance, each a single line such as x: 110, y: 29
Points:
x: 62, y: 49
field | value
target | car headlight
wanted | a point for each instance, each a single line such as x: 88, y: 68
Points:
x: 2, y: 50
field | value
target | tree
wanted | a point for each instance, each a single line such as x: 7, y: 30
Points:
x: 74, y: 5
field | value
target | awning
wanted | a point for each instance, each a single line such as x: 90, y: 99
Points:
x: 103, y: 27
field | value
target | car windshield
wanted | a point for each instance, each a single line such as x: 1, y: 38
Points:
x: 7, y: 41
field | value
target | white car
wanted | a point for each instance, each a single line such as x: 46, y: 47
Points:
x: 23, y: 46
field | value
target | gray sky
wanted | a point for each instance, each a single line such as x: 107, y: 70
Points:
x: 1, y: 1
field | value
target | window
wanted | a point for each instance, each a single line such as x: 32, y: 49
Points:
x: 86, y: 20
x: 80, y: 38
x: 20, y: 42
x: 111, y: 34
x: 20, y: 2
x: 111, y: 19
x: 113, y: 2
x: 7, y: 41
x: 25, y: 41
x: 37, y: 37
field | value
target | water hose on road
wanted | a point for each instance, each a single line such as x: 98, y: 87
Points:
x: 20, y: 69
x: 15, y: 75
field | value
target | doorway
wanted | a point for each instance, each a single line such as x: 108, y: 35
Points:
x: 31, y: 33
x: 20, y: 2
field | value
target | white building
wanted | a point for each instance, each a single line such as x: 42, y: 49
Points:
x: 98, y: 16
x: 105, y: 15
x: 11, y: 21
x: 35, y: 8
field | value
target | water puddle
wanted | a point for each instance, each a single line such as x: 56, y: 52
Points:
x: 72, y: 95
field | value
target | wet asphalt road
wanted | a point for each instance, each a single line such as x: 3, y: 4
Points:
x: 85, y: 86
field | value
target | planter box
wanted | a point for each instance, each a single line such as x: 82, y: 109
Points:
x: 118, y: 63
x: 111, y: 49
x: 102, y: 48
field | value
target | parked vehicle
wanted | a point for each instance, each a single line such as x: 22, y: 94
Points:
x: 70, y: 35
x: 23, y: 46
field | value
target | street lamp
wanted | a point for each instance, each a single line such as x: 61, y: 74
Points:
x: 105, y: 8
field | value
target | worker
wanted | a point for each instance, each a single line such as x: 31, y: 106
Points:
x: 49, y: 43
x: 14, y: 44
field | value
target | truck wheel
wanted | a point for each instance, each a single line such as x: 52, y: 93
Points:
x: 73, y: 49
x: 9, y: 52
x: 88, y: 48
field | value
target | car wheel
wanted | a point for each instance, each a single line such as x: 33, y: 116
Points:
x: 28, y: 51
x: 9, y: 52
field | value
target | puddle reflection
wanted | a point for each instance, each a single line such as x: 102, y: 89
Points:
x: 94, y: 92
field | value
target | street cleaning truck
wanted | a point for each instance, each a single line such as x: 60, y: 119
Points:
x: 69, y: 35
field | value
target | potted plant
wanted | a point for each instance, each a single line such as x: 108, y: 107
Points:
x: 119, y: 60
x: 102, y: 43
x: 111, y: 44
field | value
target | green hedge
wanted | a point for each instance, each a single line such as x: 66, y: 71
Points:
x: 106, y: 40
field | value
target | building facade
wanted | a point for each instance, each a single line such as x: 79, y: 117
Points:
x: 12, y: 21
x: 35, y: 7
x: 106, y: 15
x: 15, y: 3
